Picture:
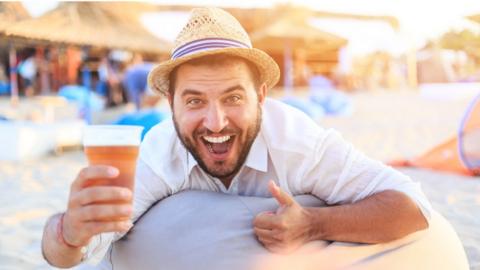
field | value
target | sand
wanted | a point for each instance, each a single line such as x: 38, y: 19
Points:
x: 385, y: 125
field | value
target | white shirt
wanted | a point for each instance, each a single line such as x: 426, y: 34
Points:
x: 291, y: 149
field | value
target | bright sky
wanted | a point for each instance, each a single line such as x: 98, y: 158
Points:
x: 419, y: 19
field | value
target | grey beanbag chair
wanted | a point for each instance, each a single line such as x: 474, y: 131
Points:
x: 196, y: 230
x: 208, y: 230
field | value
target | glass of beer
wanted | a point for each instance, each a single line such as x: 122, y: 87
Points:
x: 113, y: 145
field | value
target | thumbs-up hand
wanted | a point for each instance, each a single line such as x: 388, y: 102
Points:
x: 286, y: 229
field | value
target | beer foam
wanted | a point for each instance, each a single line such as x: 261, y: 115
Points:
x: 112, y: 135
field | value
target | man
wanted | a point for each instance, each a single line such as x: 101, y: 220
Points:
x: 135, y: 82
x: 227, y: 136
x: 28, y: 72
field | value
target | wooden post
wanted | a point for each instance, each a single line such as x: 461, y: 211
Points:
x: 412, y: 68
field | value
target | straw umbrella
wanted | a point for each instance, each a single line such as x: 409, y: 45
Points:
x: 292, y: 33
x: 474, y: 18
x: 11, y: 12
x: 299, y: 34
x: 89, y: 24
x: 130, y: 11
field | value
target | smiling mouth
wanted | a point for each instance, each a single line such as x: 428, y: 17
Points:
x: 218, y: 145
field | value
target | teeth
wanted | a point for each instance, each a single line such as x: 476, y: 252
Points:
x: 216, y: 139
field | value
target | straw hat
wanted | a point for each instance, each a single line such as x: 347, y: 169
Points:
x: 212, y: 31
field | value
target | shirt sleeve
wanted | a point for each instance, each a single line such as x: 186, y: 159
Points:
x: 338, y: 174
x: 149, y: 188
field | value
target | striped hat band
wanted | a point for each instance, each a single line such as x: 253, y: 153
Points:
x: 206, y: 45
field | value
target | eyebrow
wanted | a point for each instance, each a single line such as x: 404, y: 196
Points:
x: 228, y: 90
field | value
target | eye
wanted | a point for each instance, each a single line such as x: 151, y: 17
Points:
x: 194, y: 102
x: 234, y: 99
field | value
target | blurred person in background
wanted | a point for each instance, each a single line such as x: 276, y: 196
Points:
x: 27, y: 69
x: 135, y: 80
x: 110, y: 78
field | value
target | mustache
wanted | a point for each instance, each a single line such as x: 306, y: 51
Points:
x: 203, y: 131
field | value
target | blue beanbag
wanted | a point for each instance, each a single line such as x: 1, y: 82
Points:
x: 83, y: 97
x: 4, y: 88
x: 332, y: 101
x: 145, y: 118
x: 309, y: 108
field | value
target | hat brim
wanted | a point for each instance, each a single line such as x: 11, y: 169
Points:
x: 158, y: 78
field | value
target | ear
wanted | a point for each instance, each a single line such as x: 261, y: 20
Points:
x: 262, y: 93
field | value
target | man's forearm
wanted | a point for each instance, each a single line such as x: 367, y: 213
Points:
x: 56, y: 253
x: 382, y: 217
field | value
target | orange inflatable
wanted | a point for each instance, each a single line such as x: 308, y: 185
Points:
x: 460, y: 154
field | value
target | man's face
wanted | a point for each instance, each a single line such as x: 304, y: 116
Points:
x: 217, y: 114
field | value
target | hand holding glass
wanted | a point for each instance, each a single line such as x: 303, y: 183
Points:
x: 116, y: 146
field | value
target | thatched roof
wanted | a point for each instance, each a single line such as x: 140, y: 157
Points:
x: 90, y: 24
x: 129, y: 10
x: 256, y: 18
x: 391, y: 20
x: 297, y: 32
x: 475, y: 18
x: 11, y: 12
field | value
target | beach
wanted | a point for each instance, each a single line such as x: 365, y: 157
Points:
x: 384, y: 125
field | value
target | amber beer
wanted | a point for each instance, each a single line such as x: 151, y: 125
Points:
x: 122, y: 157
x: 115, y: 146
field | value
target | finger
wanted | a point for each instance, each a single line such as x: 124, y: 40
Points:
x: 96, y: 212
x: 266, y: 241
x: 97, y: 227
x: 281, y: 196
x: 265, y: 220
x: 88, y: 230
x: 93, y: 171
x: 100, y: 194
x: 270, y: 235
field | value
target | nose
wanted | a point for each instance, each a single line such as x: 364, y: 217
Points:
x: 216, y: 119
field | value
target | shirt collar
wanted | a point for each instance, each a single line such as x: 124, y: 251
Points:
x: 191, y: 162
x: 257, y: 158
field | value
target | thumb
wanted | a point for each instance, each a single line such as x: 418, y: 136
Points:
x: 281, y: 196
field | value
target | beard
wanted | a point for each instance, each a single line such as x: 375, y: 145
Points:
x: 221, y: 169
